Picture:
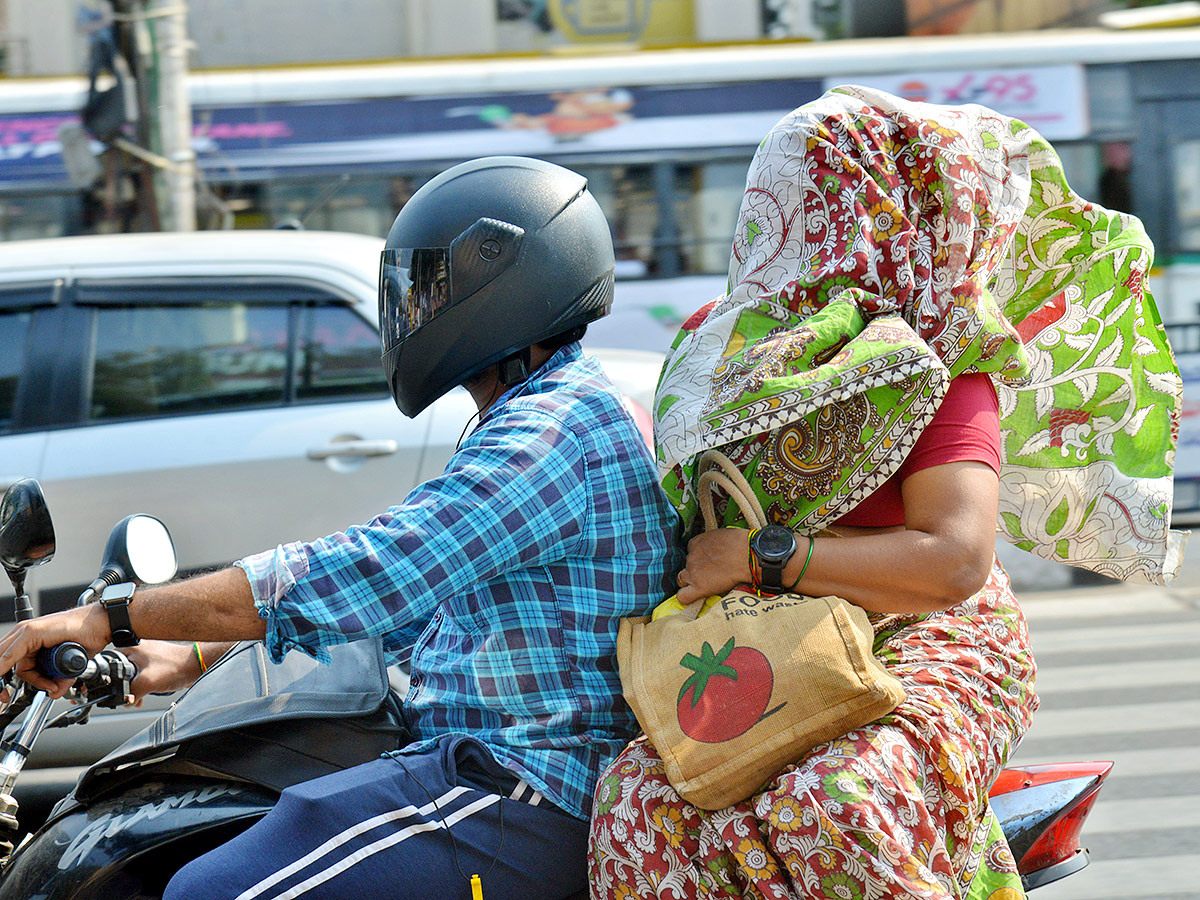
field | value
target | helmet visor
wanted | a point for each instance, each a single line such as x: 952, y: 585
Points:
x: 414, y: 287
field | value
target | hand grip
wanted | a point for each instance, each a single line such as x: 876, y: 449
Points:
x: 66, y: 660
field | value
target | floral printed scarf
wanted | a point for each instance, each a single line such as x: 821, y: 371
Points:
x: 884, y: 247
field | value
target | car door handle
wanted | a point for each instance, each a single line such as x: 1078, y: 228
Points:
x: 354, y: 448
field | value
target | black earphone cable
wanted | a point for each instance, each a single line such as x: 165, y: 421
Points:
x: 453, y: 842
x: 478, y: 413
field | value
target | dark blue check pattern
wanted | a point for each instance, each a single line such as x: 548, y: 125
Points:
x: 503, y: 580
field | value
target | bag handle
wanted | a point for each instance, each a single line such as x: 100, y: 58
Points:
x: 716, y: 469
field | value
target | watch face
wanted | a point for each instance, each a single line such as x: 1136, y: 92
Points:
x: 118, y: 592
x: 774, y: 544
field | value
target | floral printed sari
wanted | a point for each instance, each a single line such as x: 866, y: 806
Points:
x: 882, y: 248
x: 895, y: 809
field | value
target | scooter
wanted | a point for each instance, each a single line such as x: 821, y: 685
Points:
x: 219, y: 757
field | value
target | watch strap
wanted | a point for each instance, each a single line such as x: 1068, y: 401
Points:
x: 119, y: 624
x: 772, y: 574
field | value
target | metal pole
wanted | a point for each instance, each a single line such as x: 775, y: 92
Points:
x: 169, y: 18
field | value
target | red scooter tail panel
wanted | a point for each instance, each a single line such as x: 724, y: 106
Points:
x: 1042, y: 809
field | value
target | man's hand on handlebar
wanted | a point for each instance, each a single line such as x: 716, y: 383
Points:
x: 88, y: 625
x: 162, y: 667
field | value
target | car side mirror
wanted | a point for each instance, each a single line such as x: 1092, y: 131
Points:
x: 26, y: 532
x: 140, y: 550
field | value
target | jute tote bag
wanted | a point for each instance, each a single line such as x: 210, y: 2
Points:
x: 731, y: 696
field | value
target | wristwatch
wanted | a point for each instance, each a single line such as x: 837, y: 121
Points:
x: 116, y: 600
x: 772, y: 547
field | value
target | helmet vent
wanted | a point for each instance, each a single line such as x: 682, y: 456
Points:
x: 592, y: 304
x: 599, y: 297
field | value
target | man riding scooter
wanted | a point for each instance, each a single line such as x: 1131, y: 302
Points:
x: 502, y: 580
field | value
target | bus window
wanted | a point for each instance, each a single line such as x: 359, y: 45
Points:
x: 38, y: 216
x: 626, y: 194
x: 707, y: 198
x: 361, y: 204
x: 1081, y: 165
x: 1113, y: 188
x: 1187, y: 194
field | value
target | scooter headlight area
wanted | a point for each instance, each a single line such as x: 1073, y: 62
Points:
x: 131, y: 843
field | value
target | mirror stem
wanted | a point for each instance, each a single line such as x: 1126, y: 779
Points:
x: 23, y: 609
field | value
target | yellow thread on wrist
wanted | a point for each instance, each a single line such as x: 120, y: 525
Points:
x: 752, y: 559
x: 200, y: 657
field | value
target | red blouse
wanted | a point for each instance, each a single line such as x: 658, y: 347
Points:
x: 965, y: 427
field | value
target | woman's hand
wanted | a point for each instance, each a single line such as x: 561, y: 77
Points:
x: 717, y: 562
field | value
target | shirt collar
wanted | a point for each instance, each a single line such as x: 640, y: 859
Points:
x: 536, y: 381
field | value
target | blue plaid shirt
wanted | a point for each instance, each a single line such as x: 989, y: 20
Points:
x: 505, y: 578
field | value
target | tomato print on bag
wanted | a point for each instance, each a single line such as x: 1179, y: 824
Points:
x: 727, y: 693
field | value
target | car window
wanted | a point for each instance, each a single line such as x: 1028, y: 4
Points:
x: 157, y: 360
x: 14, y: 334
x: 338, y: 354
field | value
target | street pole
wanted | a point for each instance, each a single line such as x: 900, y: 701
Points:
x: 174, y: 112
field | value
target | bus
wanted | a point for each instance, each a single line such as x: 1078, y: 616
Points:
x: 664, y: 137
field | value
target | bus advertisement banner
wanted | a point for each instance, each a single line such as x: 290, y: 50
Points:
x: 238, y: 141
x: 1052, y: 99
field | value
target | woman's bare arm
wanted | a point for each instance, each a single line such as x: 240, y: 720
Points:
x: 940, y: 557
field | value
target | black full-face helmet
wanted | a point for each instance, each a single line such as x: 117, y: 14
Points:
x: 487, y: 259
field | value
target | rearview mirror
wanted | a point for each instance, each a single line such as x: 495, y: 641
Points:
x: 140, y: 549
x: 26, y: 532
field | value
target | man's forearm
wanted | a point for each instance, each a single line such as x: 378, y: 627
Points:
x: 214, y: 607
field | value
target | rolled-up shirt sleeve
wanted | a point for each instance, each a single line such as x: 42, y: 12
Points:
x: 513, y: 496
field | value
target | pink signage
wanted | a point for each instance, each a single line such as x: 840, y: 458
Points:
x: 1052, y: 99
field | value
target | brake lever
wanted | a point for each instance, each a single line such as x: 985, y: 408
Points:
x: 80, y: 711
x: 113, y: 675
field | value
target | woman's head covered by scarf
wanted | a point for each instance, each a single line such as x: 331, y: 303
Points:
x: 882, y: 248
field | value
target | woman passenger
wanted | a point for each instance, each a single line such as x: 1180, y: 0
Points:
x: 926, y: 335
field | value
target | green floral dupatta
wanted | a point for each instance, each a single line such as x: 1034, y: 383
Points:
x: 884, y: 247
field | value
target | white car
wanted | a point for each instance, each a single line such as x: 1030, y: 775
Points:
x: 228, y: 383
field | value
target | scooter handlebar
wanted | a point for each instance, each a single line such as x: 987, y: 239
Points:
x: 67, y: 660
